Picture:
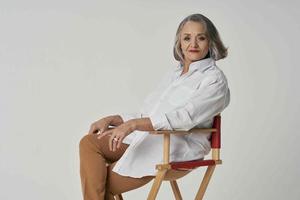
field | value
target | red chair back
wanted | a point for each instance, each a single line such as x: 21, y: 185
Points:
x: 215, y: 139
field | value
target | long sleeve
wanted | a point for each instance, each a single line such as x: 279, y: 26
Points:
x: 209, y: 99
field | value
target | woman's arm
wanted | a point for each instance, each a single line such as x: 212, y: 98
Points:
x: 115, y: 120
x: 141, y: 124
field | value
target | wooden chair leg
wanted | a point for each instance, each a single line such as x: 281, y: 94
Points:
x: 205, y: 181
x: 156, y: 184
x: 119, y: 197
x: 176, y: 190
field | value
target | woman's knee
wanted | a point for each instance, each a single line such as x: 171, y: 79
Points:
x: 88, y: 140
x: 84, y: 141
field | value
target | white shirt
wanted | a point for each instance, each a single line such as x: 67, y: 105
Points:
x: 178, y: 103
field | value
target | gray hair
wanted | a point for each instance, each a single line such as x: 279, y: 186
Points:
x: 217, y: 50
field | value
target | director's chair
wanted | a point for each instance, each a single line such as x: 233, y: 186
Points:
x: 166, y: 166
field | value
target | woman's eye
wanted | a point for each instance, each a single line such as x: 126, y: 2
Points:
x: 200, y: 38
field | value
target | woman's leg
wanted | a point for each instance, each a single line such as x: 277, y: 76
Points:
x: 98, y: 180
x: 94, y: 156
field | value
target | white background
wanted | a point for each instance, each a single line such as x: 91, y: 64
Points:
x: 65, y: 64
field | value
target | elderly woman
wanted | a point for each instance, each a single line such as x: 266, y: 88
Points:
x: 114, y: 161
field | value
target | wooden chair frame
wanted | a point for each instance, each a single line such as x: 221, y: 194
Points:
x: 163, y: 168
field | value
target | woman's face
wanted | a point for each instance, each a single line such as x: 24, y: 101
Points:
x: 193, y: 42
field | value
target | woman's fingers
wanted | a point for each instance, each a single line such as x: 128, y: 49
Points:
x: 104, y: 134
x: 119, y: 142
x: 110, y: 141
x: 115, y: 139
x: 115, y: 143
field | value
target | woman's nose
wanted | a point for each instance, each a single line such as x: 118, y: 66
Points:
x: 194, y: 43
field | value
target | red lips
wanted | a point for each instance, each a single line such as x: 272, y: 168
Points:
x: 193, y: 50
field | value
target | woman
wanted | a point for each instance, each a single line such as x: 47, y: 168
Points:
x: 190, y: 95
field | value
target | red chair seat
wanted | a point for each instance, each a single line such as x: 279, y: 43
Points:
x: 192, y: 164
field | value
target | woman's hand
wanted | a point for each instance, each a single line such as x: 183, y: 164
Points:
x: 100, y: 125
x: 117, y: 134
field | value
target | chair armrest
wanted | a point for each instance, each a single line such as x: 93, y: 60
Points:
x: 193, y: 130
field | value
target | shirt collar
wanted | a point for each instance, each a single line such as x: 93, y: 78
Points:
x: 200, y: 65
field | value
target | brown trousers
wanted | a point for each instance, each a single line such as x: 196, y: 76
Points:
x: 98, y: 181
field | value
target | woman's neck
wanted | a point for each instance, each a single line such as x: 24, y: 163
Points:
x: 186, y: 64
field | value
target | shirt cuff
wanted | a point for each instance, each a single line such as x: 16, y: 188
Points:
x: 160, y: 122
